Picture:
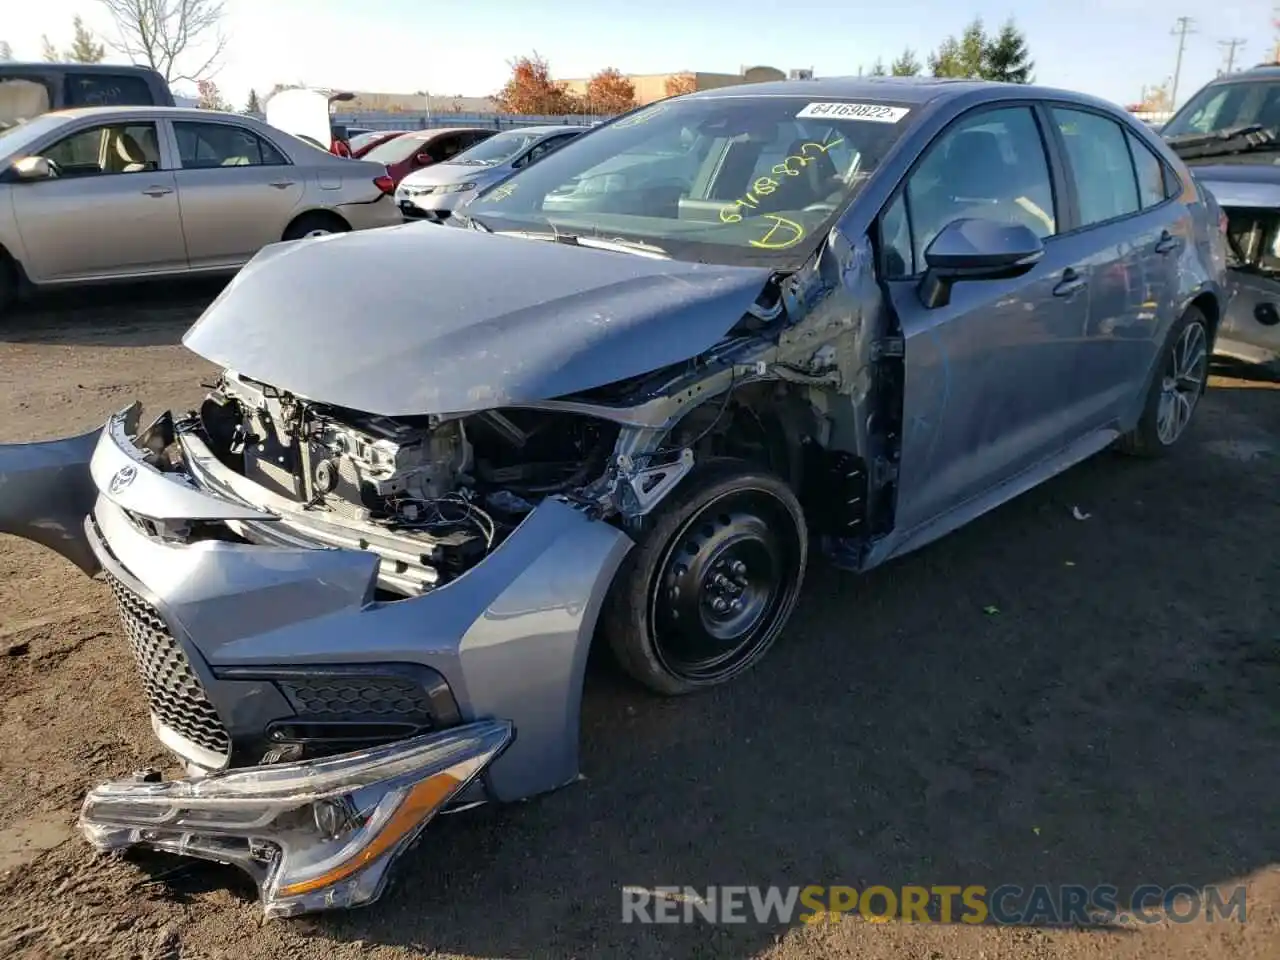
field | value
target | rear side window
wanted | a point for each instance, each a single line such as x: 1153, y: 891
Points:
x: 202, y: 146
x: 107, y: 90
x: 1100, y: 165
x: 1151, y: 173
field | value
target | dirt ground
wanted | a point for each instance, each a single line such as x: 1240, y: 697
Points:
x: 1035, y: 699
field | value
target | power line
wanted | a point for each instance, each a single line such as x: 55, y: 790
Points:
x: 1230, y: 47
x: 1182, y: 27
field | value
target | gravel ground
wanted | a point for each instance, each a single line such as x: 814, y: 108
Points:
x: 1035, y: 699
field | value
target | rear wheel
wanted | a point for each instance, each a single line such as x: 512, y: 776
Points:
x: 713, y: 581
x: 316, y: 225
x: 1175, y: 391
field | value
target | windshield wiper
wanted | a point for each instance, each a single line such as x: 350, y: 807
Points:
x: 1243, y: 139
x: 617, y: 244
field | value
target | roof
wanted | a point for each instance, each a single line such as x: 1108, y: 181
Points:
x: 547, y: 128
x: 116, y: 68
x: 177, y: 113
x: 432, y: 132
x: 909, y: 90
x: 1270, y: 71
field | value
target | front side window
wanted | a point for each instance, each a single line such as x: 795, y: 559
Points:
x: 202, y: 146
x: 1101, y: 165
x: 21, y: 99
x: 729, y: 179
x: 990, y: 165
x: 395, y: 150
x: 547, y: 145
x: 116, y: 148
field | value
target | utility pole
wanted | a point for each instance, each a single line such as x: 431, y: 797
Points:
x: 1229, y: 47
x: 1184, y: 26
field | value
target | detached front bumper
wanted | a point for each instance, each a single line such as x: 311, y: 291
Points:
x: 313, y: 835
x: 272, y: 669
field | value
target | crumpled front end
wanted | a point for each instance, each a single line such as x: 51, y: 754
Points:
x: 313, y: 835
x: 323, y: 718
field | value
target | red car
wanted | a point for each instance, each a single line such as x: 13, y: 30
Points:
x: 364, y: 142
x: 420, y: 148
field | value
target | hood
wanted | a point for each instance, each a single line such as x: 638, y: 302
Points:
x: 446, y: 172
x: 419, y: 318
x: 1241, y: 184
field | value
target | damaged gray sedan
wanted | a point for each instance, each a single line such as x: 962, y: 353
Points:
x: 623, y: 397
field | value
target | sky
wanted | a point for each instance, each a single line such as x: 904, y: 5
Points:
x: 1109, y: 48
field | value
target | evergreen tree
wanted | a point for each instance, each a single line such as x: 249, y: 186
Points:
x: 254, y: 105
x: 83, y: 47
x: 1007, y: 58
x: 973, y: 50
x: 945, y: 61
x: 906, y: 65
x: 877, y: 69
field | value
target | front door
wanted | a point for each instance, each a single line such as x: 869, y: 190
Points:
x: 112, y: 210
x: 984, y: 374
x: 238, y: 192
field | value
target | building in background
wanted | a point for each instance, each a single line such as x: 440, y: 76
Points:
x: 656, y: 86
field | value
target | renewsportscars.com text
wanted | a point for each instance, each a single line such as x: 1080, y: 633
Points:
x: 1006, y: 904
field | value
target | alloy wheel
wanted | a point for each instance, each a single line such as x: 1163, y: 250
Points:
x: 1183, y: 382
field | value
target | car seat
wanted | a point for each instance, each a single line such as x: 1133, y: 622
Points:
x: 818, y: 179
x: 128, y: 155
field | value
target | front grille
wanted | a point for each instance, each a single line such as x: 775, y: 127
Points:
x: 176, y: 695
x: 353, y: 698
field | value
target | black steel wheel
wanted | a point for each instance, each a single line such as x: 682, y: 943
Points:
x: 712, y: 582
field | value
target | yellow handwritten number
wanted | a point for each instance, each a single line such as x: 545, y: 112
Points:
x: 503, y: 191
x: 636, y: 119
x: 792, y: 233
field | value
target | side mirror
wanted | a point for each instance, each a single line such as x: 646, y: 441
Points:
x: 32, y: 168
x: 976, y: 249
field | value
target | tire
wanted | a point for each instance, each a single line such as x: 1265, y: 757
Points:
x: 730, y: 537
x: 317, y: 224
x: 1175, y: 390
x: 8, y: 283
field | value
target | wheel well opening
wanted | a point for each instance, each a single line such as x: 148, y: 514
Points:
x: 1207, y: 304
x: 317, y: 215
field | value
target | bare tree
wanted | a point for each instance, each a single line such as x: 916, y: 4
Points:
x: 170, y: 35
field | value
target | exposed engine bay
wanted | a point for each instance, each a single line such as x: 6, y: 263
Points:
x: 1253, y: 241
x: 456, y: 487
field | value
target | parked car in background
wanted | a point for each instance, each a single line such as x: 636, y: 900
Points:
x: 433, y: 193
x: 422, y: 148
x: 29, y: 89
x: 362, y: 580
x: 362, y: 143
x: 129, y: 192
x: 1229, y: 134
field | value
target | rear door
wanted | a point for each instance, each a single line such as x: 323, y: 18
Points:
x: 113, y: 210
x: 1127, y: 237
x: 237, y: 191
x: 986, y: 373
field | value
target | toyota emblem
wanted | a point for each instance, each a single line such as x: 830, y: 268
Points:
x: 124, y: 476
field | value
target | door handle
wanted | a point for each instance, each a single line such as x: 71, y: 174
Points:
x: 281, y: 184
x: 157, y: 191
x: 1167, y: 243
x: 1069, y: 284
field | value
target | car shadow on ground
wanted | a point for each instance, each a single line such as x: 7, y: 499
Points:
x: 1036, y: 699
x: 117, y: 315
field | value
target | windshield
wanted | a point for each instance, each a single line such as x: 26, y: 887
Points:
x: 1226, y: 106
x: 15, y: 139
x: 735, y: 179
x: 396, y: 149
x: 499, y: 148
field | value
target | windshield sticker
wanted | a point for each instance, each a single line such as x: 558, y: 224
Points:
x: 783, y: 234
x: 763, y: 186
x: 644, y: 116
x: 875, y: 112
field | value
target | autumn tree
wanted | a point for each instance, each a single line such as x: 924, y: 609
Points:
x: 208, y: 97
x: 1006, y: 56
x: 681, y: 83
x: 610, y: 92
x: 531, y: 91
x: 179, y: 39
x: 906, y: 65
x: 253, y: 105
